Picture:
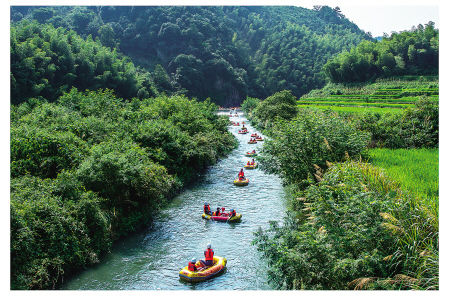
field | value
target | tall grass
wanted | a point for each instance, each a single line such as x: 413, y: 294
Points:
x: 416, y: 224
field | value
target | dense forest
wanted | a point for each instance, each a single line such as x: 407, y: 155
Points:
x: 46, y: 62
x: 414, y: 52
x: 224, y: 53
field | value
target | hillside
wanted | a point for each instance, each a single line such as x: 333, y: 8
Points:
x: 384, y: 95
x: 46, y: 62
x: 225, y: 53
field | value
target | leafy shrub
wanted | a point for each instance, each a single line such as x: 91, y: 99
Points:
x: 41, y: 152
x: 279, y: 105
x: 334, y: 234
x: 122, y: 172
x: 249, y: 104
x: 51, y: 237
x: 311, y: 139
x: 417, y: 127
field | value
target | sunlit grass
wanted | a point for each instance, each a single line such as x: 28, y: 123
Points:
x: 354, y: 109
x: 417, y: 170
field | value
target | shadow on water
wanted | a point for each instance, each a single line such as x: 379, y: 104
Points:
x: 152, y: 258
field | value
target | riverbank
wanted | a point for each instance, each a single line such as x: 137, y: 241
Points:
x: 350, y: 225
x: 98, y: 169
x: 151, y: 259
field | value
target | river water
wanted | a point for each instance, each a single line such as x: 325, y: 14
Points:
x: 152, y: 258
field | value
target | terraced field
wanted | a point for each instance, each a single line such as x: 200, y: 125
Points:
x: 388, y: 95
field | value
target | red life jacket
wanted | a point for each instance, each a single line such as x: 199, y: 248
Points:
x: 192, y: 267
x: 206, y: 209
x: 209, y: 253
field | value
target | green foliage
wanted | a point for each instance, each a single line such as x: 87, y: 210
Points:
x: 308, y: 141
x: 281, y: 105
x: 406, y: 53
x: 51, y: 235
x: 122, y: 172
x: 333, y: 235
x: 92, y: 167
x: 41, y: 152
x: 47, y: 62
x: 249, y: 104
x: 416, y: 127
x: 355, y: 229
x: 417, y: 170
x: 225, y: 53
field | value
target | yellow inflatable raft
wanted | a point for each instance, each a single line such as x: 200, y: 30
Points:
x: 219, y: 265
x: 251, y: 166
x: 238, y: 182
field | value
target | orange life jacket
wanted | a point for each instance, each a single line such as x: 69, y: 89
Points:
x: 209, y: 254
x: 206, y: 209
x: 192, y: 267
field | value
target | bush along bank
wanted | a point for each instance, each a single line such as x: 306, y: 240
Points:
x: 92, y: 167
x: 348, y: 226
x: 262, y: 114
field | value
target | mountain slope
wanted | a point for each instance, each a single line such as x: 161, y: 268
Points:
x: 225, y: 53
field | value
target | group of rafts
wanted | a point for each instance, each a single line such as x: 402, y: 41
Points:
x: 213, y: 265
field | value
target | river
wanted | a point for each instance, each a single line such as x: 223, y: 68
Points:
x: 152, y: 258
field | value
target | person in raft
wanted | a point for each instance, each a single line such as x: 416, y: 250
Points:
x: 241, y: 174
x: 207, y: 209
x: 253, y: 151
x: 217, y: 212
x: 191, y: 265
x: 248, y: 163
x: 253, y: 162
x: 209, y: 256
x: 232, y: 214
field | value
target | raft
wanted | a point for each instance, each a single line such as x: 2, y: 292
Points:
x: 254, y: 135
x: 223, y: 218
x: 238, y: 182
x: 259, y: 139
x: 243, y: 132
x: 249, y: 154
x: 219, y: 265
x: 251, y: 166
x: 251, y: 142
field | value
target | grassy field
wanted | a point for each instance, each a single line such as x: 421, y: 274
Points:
x: 385, y: 95
x: 354, y: 109
x: 417, y: 170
